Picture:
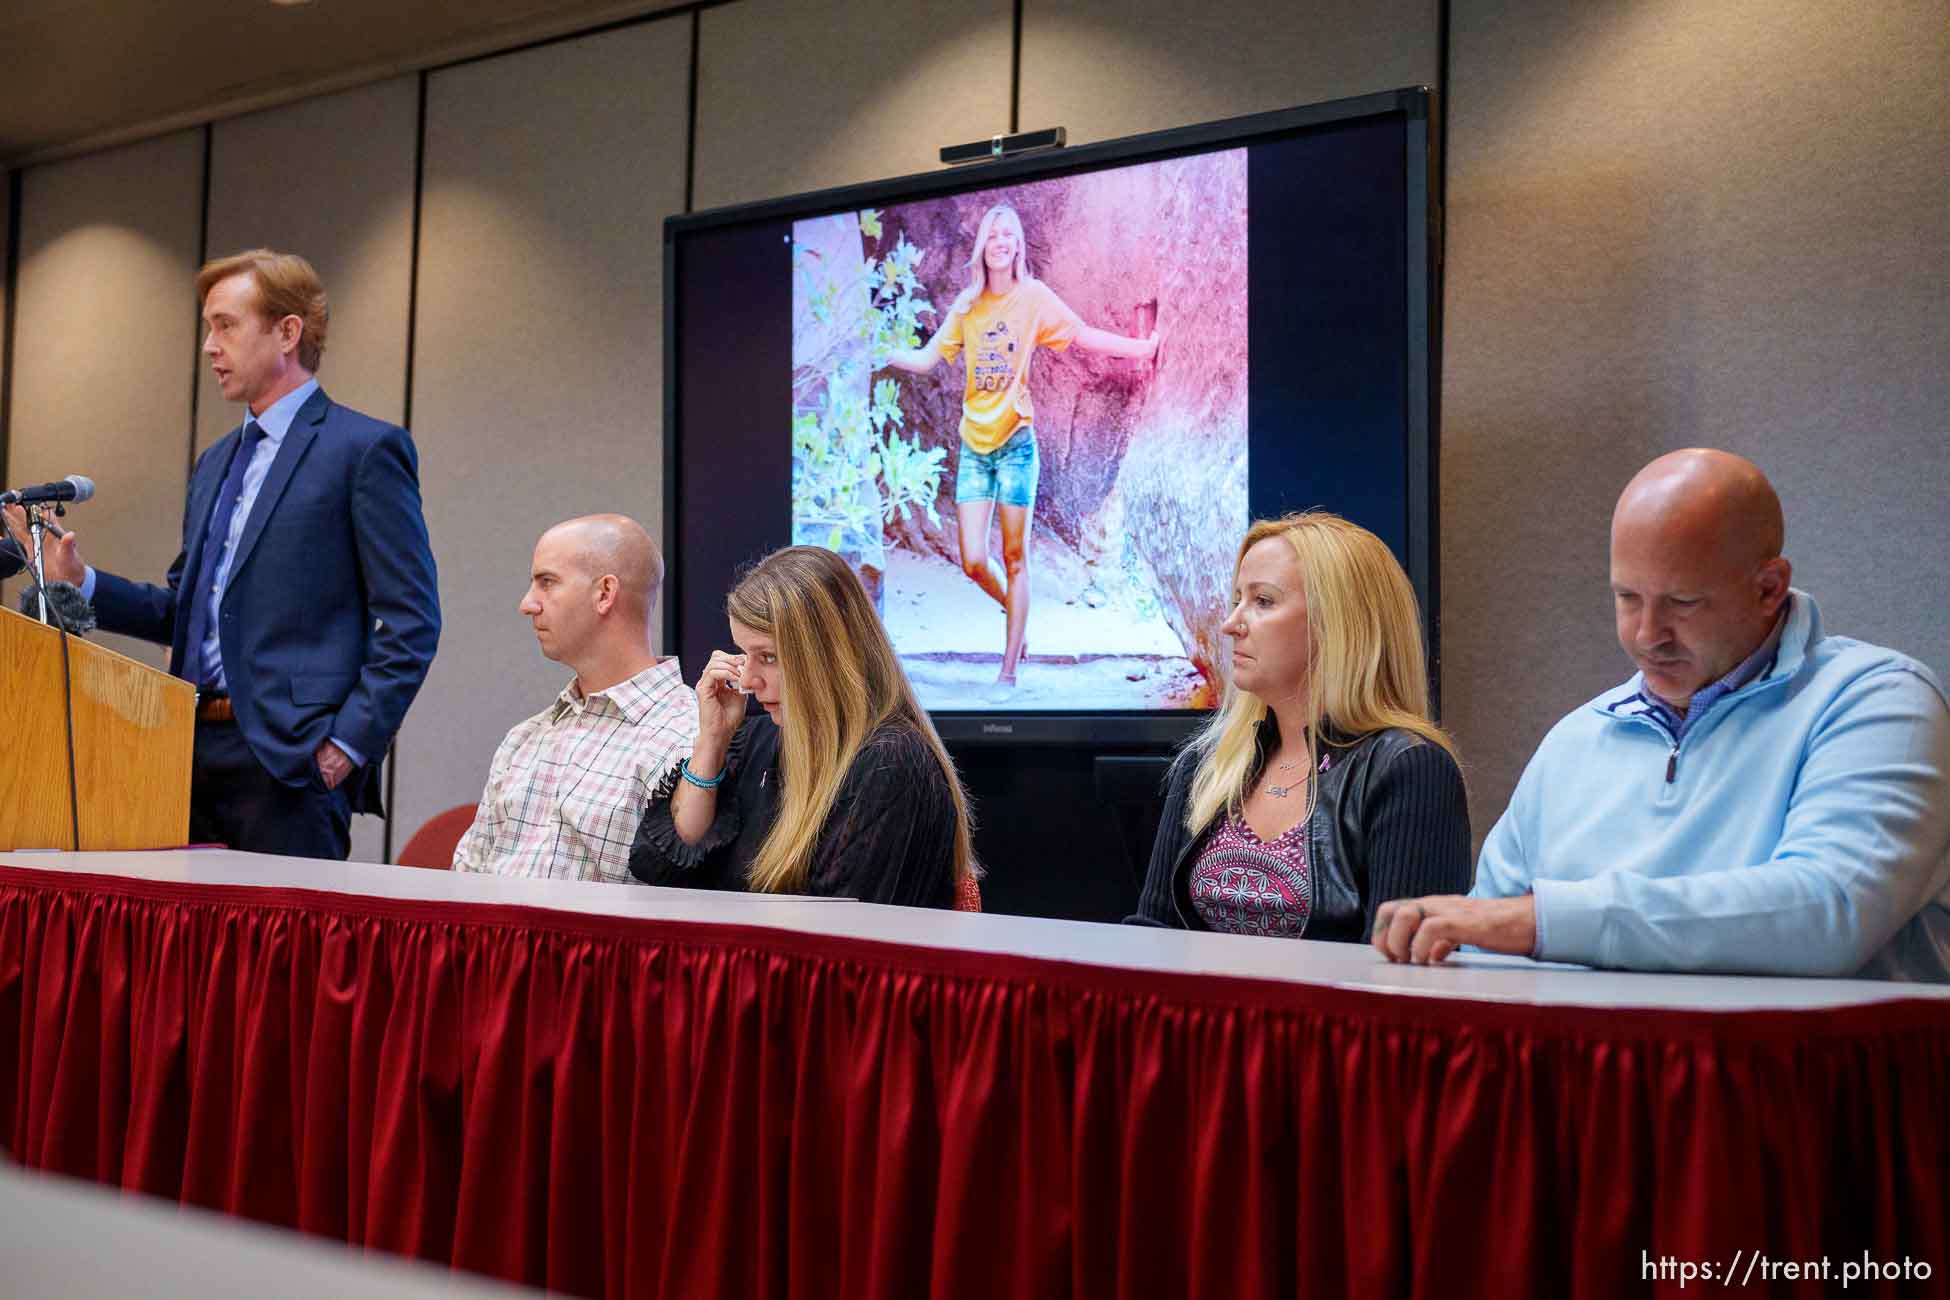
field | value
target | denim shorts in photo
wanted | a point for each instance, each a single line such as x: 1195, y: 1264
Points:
x: 1007, y: 474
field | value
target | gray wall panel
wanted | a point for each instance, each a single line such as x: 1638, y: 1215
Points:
x: 538, y: 382
x: 1106, y: 68
x: 103, y: 346
x: 349, y: 210
x: 795, y: 96
x: 1672, y: 225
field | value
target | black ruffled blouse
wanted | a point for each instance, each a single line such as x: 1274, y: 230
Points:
x: 890, y: 837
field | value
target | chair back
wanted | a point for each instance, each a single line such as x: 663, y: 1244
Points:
x: 432, y: 846
x: 968, y: 895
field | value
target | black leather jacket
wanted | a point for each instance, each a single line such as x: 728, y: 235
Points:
x: 1390, y: 820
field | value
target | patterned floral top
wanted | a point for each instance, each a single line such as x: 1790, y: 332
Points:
x: 1241, y: 884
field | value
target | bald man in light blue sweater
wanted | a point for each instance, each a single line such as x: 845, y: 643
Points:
x: 1760, y: 797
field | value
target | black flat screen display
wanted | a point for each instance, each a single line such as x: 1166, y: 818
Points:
x: 1035, y: 403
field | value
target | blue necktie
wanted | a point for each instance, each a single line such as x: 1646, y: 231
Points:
x: 215, y: 537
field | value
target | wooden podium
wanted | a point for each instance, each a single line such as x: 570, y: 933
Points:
x: 134, y: 729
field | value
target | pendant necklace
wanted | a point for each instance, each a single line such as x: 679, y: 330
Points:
x: 1282, y: 791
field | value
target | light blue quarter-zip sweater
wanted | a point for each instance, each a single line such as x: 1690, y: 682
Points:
x: 1801, y: 827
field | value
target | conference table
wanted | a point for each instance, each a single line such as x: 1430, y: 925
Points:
x: 64, y: 1239
x: 618, y: 1090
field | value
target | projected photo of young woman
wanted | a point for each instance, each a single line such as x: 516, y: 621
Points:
x: 996, y: 323
x: 1033, y: 397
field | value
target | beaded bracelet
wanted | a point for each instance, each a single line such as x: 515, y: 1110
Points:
x: 684, y: 770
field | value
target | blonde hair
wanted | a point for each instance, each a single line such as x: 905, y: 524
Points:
x: 978, y: 271
x: 1368, y: 671
x: 286, y: 286
x: 842, y: 682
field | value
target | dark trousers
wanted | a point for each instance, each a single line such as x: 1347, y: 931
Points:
x: 234, y: 801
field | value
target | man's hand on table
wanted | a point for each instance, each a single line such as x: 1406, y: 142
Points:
x: 1426, y: 930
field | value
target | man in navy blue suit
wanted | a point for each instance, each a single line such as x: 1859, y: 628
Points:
x: 303, y: 603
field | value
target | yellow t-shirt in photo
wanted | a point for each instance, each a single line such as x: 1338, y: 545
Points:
x: 1000, y: 333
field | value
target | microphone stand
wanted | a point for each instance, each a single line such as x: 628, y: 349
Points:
x: 37, y: 526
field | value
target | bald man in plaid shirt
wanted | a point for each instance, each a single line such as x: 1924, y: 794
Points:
x: 568, y: 786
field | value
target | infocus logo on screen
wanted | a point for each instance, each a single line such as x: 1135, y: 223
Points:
x: 998, y: 728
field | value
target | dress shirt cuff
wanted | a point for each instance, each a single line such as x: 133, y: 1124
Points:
x: 358, y: 759
x: 88, y: 582
x: 1570, y: 919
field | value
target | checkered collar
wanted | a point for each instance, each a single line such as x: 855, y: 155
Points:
x: 630, y: 699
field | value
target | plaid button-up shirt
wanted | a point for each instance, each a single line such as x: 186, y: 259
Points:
x: 568, y: 787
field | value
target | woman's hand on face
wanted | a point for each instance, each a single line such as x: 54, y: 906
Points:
x: 720, y: 702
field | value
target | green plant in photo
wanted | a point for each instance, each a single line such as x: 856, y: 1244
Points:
x: 911, y: 476
x: 835, y: 496
x: 897, y: 299
x: 854, y: 468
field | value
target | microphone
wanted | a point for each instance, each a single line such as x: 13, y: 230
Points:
x: 72, y: 488
x: 65, y: 601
